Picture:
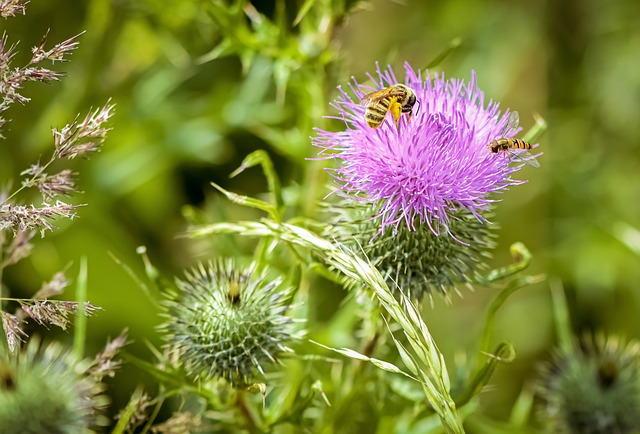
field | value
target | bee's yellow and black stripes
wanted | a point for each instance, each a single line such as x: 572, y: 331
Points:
x: 376, y: 112
x: 507, y: 144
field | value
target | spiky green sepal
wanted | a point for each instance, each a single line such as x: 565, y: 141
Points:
x: 416, y: 260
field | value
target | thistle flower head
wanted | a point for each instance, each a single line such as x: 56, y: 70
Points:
x: 226, y: 322
x: 434, y: 165
x: 595, y: 389
x: 45, y: 390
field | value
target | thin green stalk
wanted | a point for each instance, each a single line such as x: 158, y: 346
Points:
x: 450, y: 48
x: 151, y: 272
x: 521, y: 410
x: 561, y: 316
x: 154, y: 413
x: 497, y: 303
x: 536, y: 130
x: 128, y: 411
x: 521, y: 260
x: 28, y: 183
x: 4, y: 345
x: 248, y: 414
x: 80, y: 334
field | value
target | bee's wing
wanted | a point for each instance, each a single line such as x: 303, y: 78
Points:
x: 526, y: 157
x: 374, y: 96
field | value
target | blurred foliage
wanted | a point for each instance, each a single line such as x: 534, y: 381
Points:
x: 201, y: 84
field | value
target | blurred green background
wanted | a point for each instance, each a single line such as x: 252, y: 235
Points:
x: 190, y: 105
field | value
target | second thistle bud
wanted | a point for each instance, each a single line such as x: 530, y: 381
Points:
x: 45, y: 390
x: 593, y: 389
x: 224, y: 321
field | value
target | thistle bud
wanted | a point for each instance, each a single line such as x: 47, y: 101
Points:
x: 45, y: 390
x: 223, y: 321
x: 595, y: 389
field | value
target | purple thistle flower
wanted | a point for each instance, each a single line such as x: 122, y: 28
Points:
x: 436, y: 164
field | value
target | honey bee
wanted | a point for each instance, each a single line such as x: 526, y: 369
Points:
x: 517, y: 148
x: 396, y: 99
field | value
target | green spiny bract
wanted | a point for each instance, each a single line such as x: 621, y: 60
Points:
x: 417, y: 261
x: 44, y: 390
x: 225, y: 322
x: 595, y: 389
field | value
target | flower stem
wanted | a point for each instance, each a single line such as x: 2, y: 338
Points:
x: 28, y: 183
x: 247, y: 413
x: 81, y: 320
x: 561, y: 316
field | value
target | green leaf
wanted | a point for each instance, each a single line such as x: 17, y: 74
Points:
x: 352, y: 354
x: 260, y: 157
x: 248, y: 201
x: 224, y: 48
x: 306, y: 7
x: 407, y: 358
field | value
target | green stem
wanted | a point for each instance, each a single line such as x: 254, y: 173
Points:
x: 247, y: 413
x: 536, y: 130
x: 561, y: 316
x: 4, y: 345
x: 128, y: 411
x: 521, y: 260
x: 497, y: 303
x: 153, y: 415
x: 28, y: 183
x: 80, y: 334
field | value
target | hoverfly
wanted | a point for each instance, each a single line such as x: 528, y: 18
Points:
x: 396, y: 99
x: 512, y: 145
